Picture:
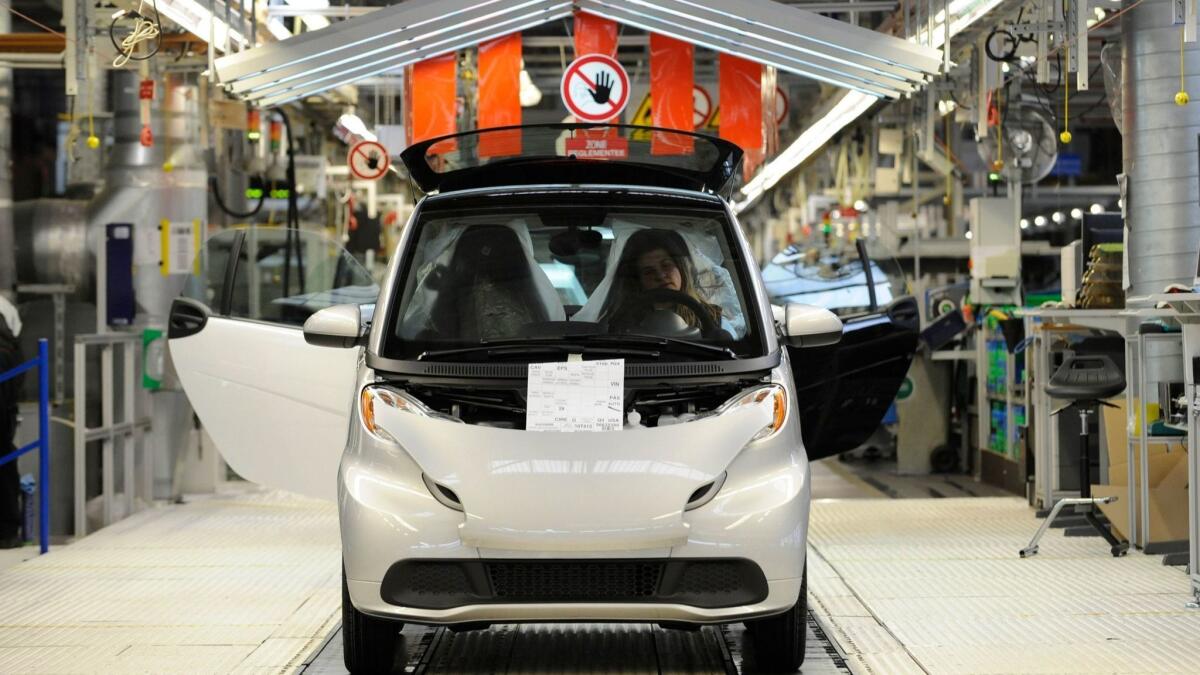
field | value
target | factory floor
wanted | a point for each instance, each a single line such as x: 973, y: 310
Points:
x: 247, y: 581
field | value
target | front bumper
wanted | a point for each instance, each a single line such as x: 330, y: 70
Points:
x: 781, y: 596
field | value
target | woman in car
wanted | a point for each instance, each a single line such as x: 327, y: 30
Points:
x: 656, y: 259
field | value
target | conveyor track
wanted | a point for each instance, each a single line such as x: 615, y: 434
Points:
x: 576, y: 648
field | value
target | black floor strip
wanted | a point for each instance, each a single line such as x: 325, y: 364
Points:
x: 881, y: 486
x: 935, y: 493
x: 962, y: 487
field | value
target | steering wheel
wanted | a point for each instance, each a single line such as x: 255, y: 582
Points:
x: 647, y: 299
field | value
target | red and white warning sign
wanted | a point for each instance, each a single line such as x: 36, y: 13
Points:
x: 368, y: 160
x: 595, y: 88
x: 597, y: 147
x: 702, y: 105
x: 781, y: 106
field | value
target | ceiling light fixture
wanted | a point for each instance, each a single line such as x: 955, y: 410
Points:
x: 849, y: 107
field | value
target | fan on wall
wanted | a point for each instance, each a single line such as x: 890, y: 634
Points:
x: 1030, y: 145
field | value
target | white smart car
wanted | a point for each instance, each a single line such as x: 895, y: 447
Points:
x: 471, y: 492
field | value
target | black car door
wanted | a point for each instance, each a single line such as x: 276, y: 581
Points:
x: 844, y: 390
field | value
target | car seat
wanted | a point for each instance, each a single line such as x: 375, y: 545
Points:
x: 488, y: 289
x: 714, y: 282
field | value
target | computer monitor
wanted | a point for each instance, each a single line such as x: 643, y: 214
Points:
x: 1101, y: 228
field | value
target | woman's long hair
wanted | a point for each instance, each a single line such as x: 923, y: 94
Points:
x: 627, y: 284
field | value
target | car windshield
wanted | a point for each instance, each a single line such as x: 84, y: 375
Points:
x: 616, y: 275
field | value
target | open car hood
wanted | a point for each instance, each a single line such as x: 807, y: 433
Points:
x: 583, y: 491
x: 552, y: 154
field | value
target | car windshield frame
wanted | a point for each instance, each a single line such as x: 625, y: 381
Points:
x: 754, y: 345
x: 712, y: 173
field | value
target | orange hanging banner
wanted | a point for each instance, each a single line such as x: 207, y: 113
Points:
x: 671, y: 98
x: 434, y: 100
x: 741, y: 102
x: 499, y: 95
x: 595, y: 35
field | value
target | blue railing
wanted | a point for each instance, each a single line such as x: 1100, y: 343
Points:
x: 42, y: 444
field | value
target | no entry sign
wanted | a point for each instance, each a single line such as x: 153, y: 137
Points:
x: 368, y: 160
x: 595, y: 88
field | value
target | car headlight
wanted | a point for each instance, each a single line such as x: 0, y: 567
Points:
x: 772, y: 394
x: 377, y: 397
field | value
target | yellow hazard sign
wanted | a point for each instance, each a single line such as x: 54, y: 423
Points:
x: 642, y: 118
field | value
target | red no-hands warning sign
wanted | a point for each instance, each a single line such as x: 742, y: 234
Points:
x: 368, y: 160
x: 595, y: 88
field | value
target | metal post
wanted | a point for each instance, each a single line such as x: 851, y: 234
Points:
x: 1132, y: 398
x: 107, y: 475
x: 1143, y: 443
x: 60, y: 339
x: 43, y: 445
x: 80, y: 439
x: 128, y: 444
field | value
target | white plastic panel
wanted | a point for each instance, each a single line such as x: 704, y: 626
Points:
x: 277, y: 408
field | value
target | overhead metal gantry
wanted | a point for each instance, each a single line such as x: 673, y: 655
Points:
x: 783, y: 36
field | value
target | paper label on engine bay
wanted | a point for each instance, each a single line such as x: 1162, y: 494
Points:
x: 576, y: 396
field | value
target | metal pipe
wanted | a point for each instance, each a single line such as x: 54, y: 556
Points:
x: 1159, y: 149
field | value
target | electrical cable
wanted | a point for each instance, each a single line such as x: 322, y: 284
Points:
x: 214, y: 185
x: 144, y: 30
x: 37, y: 23
x: 292, y: 242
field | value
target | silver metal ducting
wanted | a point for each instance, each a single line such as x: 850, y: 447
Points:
x: 51, y: 244
x: 1160, y: 150
x: 145, y: 186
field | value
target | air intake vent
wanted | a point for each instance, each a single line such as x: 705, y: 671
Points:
x: 444, y: 495
x: 581, y: 581
x: 705, y: 493
x: 443, y: 584
x: 513, y: 370
x: 673, y: 369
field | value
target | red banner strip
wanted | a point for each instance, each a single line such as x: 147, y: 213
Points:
x: 595, y: 35
x: 741, y: 102
x: 671, y: 102
x: 434, y: 98
x: 499, y: 95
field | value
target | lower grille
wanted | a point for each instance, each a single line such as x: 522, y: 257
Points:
x: 442, y: 584
x: 574, y: 581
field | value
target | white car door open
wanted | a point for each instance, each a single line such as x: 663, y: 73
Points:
x: 276, y: 407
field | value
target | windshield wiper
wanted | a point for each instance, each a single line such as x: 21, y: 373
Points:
x: 522, y: 347
x: 579, y: 344
x: 666, y: 344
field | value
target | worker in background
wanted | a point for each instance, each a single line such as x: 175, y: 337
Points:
x: 10, y: 394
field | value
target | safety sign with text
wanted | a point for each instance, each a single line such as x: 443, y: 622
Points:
x: 604, y: 147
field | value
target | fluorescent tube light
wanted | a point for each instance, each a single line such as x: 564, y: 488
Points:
x: 846, y: 110
x: 197, y: 20
x: 849, y: 108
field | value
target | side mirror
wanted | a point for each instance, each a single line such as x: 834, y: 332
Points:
x: 809, y: 326
x: 337, y: 326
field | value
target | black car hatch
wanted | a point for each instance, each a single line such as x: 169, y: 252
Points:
x: 574, y: 154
